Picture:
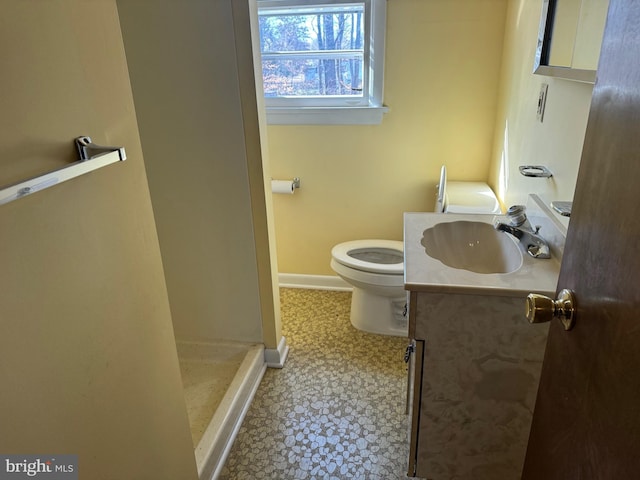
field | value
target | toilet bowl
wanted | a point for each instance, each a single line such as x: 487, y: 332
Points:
x: 375, y: 268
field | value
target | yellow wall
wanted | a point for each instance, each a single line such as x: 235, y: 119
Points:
x: 520, y: 139
x: 200, y: 136
x: 89, y: 364
x: 442, y: 70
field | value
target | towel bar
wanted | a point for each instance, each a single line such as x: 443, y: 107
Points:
x: 92, y: 157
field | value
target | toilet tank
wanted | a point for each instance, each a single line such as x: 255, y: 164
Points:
x: 470, y: 197
x: 465, y: 197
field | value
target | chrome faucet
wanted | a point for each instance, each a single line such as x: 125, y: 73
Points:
x: 519, y: 227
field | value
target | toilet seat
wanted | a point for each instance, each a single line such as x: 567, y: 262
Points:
x: 375, y: 256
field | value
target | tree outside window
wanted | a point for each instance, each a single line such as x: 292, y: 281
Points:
x: 313, y: 53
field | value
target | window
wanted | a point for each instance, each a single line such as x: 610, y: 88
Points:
x: 322, y: 61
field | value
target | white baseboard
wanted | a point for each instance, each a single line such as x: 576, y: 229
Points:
x: 275, y: 357
x: 313, y: 282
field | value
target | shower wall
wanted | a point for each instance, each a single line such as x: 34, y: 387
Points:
x: 199, y: 136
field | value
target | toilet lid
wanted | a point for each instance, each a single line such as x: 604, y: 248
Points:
x: 376, y: 256
x: 441, y: 193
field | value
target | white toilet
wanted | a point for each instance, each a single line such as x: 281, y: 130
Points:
x: 375, y: 268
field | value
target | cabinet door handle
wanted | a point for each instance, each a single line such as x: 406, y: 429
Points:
x: 407, y: 353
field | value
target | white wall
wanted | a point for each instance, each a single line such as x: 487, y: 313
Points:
x: 89, y: 364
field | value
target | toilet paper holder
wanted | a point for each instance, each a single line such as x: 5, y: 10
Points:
x: 295, y: 181
x: 285, y: 186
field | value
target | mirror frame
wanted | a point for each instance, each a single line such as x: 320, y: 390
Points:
x: 541, y: 62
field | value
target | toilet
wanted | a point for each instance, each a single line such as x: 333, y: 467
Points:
x: 375, y: 268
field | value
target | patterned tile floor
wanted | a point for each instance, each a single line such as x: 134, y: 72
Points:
x: 336, y: 410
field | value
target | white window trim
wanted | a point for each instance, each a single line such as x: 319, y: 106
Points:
x: 370, y: 114
x: 325, y: 115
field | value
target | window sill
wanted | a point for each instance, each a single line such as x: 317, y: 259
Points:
x: 325, y: 115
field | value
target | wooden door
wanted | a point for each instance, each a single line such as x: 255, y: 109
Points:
x: 586, y: 423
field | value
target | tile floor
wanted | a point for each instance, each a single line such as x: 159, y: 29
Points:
x: 336, y: 410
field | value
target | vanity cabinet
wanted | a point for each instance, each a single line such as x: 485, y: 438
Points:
x: 473, y: 382
x: 476, y: 363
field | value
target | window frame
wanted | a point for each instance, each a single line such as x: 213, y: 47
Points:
x: 367, y: 109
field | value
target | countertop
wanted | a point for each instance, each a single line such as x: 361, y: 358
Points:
x: 426, y: 274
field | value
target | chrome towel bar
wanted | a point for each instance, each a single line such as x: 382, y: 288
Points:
x: 92, y: 157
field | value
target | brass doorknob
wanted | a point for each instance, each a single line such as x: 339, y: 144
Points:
x: 541, y: 309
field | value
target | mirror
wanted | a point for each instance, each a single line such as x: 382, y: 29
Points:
x: 569, y: 38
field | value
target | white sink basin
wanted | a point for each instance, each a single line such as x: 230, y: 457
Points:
x: 472, y: 246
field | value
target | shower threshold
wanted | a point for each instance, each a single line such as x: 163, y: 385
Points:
x: 219, y: 381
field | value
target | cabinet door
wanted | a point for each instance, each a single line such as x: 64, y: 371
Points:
x: 476, y: 375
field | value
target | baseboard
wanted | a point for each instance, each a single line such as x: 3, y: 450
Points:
x: 313, y: 282
x: 275, y: 357
x: 214, y: 447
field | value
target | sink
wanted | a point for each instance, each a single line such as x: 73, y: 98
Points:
x: 473, y: 246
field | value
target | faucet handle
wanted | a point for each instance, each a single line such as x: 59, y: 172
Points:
x: 517, y: 215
